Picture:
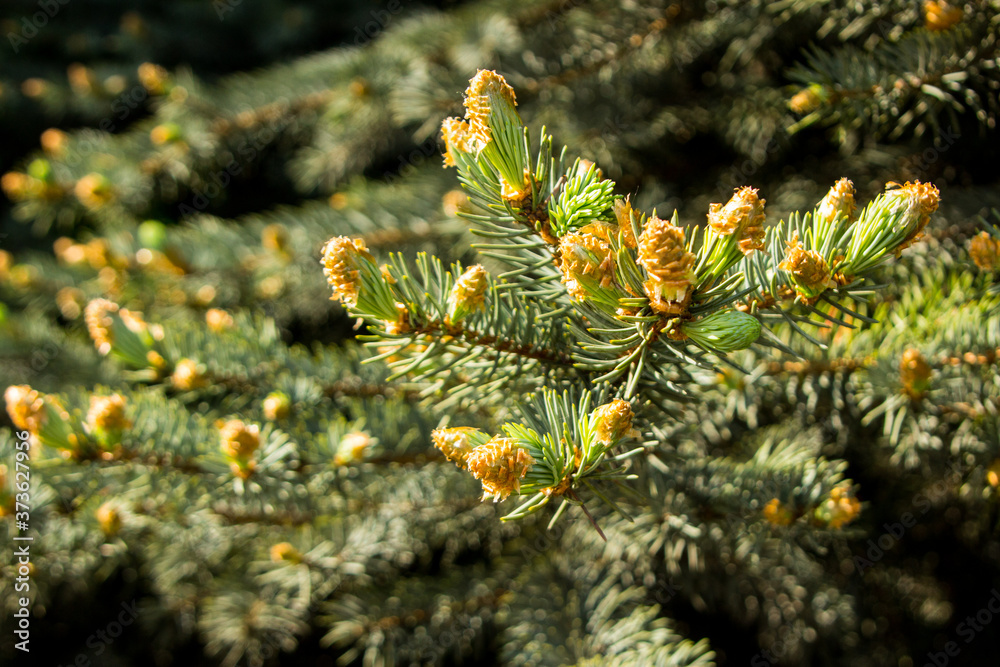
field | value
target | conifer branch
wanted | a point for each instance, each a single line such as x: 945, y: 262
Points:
x: 642, y: 295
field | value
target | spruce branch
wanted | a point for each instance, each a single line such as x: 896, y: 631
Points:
x: 559, y: 447
x: 826, y: 253
x: 636, y: 295
x: 433, y: 320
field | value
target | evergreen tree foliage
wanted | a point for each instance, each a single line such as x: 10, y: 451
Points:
x: 687, y: 356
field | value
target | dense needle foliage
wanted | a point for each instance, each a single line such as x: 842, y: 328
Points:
x: 687, y: 356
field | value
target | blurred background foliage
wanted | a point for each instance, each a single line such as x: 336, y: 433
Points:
x: 188, y: 159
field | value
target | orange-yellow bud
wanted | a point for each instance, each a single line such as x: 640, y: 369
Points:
x: 839, y: 509
x: 486, y: 89
x: 670, y: 266
x: 188, y: 374
x: 283, y: 551
x: 993, y: 474
x: 238, y: 440
x: 984, y: 249
x: 341, y: 258
x: 26, y: 407
x: 585, y: 258
x: 107, y: 413
x: 838, y: 201
x: 70, y: 301
x: 777, y: 513
x: 624, y: 214
x: 940, y: 15
x: 218, y: 320
x: 54, y: 142
x: 914, y: 373
x: 612, y: 421
x: 742, y: 216
x: 153, y: 78
x: 805, y: 101
x: 164, y: 134
x: 277, y: 406
x: 458, y: 136
x: 109, y: 519
x: 274, y: 237
x: 455, y: 201
x: 42, y: 416
x: 455, y: 443
x: 499, y: 465
x: 468, y: 295
x: 920, y: 200
x: 810, y: 273
x: 93, y: 191
x: 352, y: 448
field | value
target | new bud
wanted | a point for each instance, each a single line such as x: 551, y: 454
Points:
x: 458, y: 138
x: 342, y: 258
x: 218, y: 320
x: 361, y: 284
x: 586, y: 262
x: 993, y: 474
x: 725, y: 331
x: 808, y: 99
x: 284, y: 551
x: 839, y: 201
x: 275, y: 237
x: 277, y: 406
x: 915, y: 374
x: 917, y: 201
x: 488, y: 96
x: 893, y: 221
x: 26, y: 407
x: 352, y: 448
x: 188, y: 375
x: 54, y: 142
x: 612, y: 421
x: 741, y: 217
x: 808, y: 270
x: 777, y: 513
x: 94, y: 191
x: 499, y: 133
x: 984, y: 249
x: 238, y: 440
x: 500, y: 464
x: 109, y: 519
x: 165, y: 133
x: 121, y: 332
x: 106, y: 418
x: 42, y: 416
x: 99, y: 320
x: 624, y: 214
x: 154, y: 78
x: 940, y: 15
x: 468, y: 295
x: 839, y: 509
x: 458, y: 442
x: 662, y: 252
